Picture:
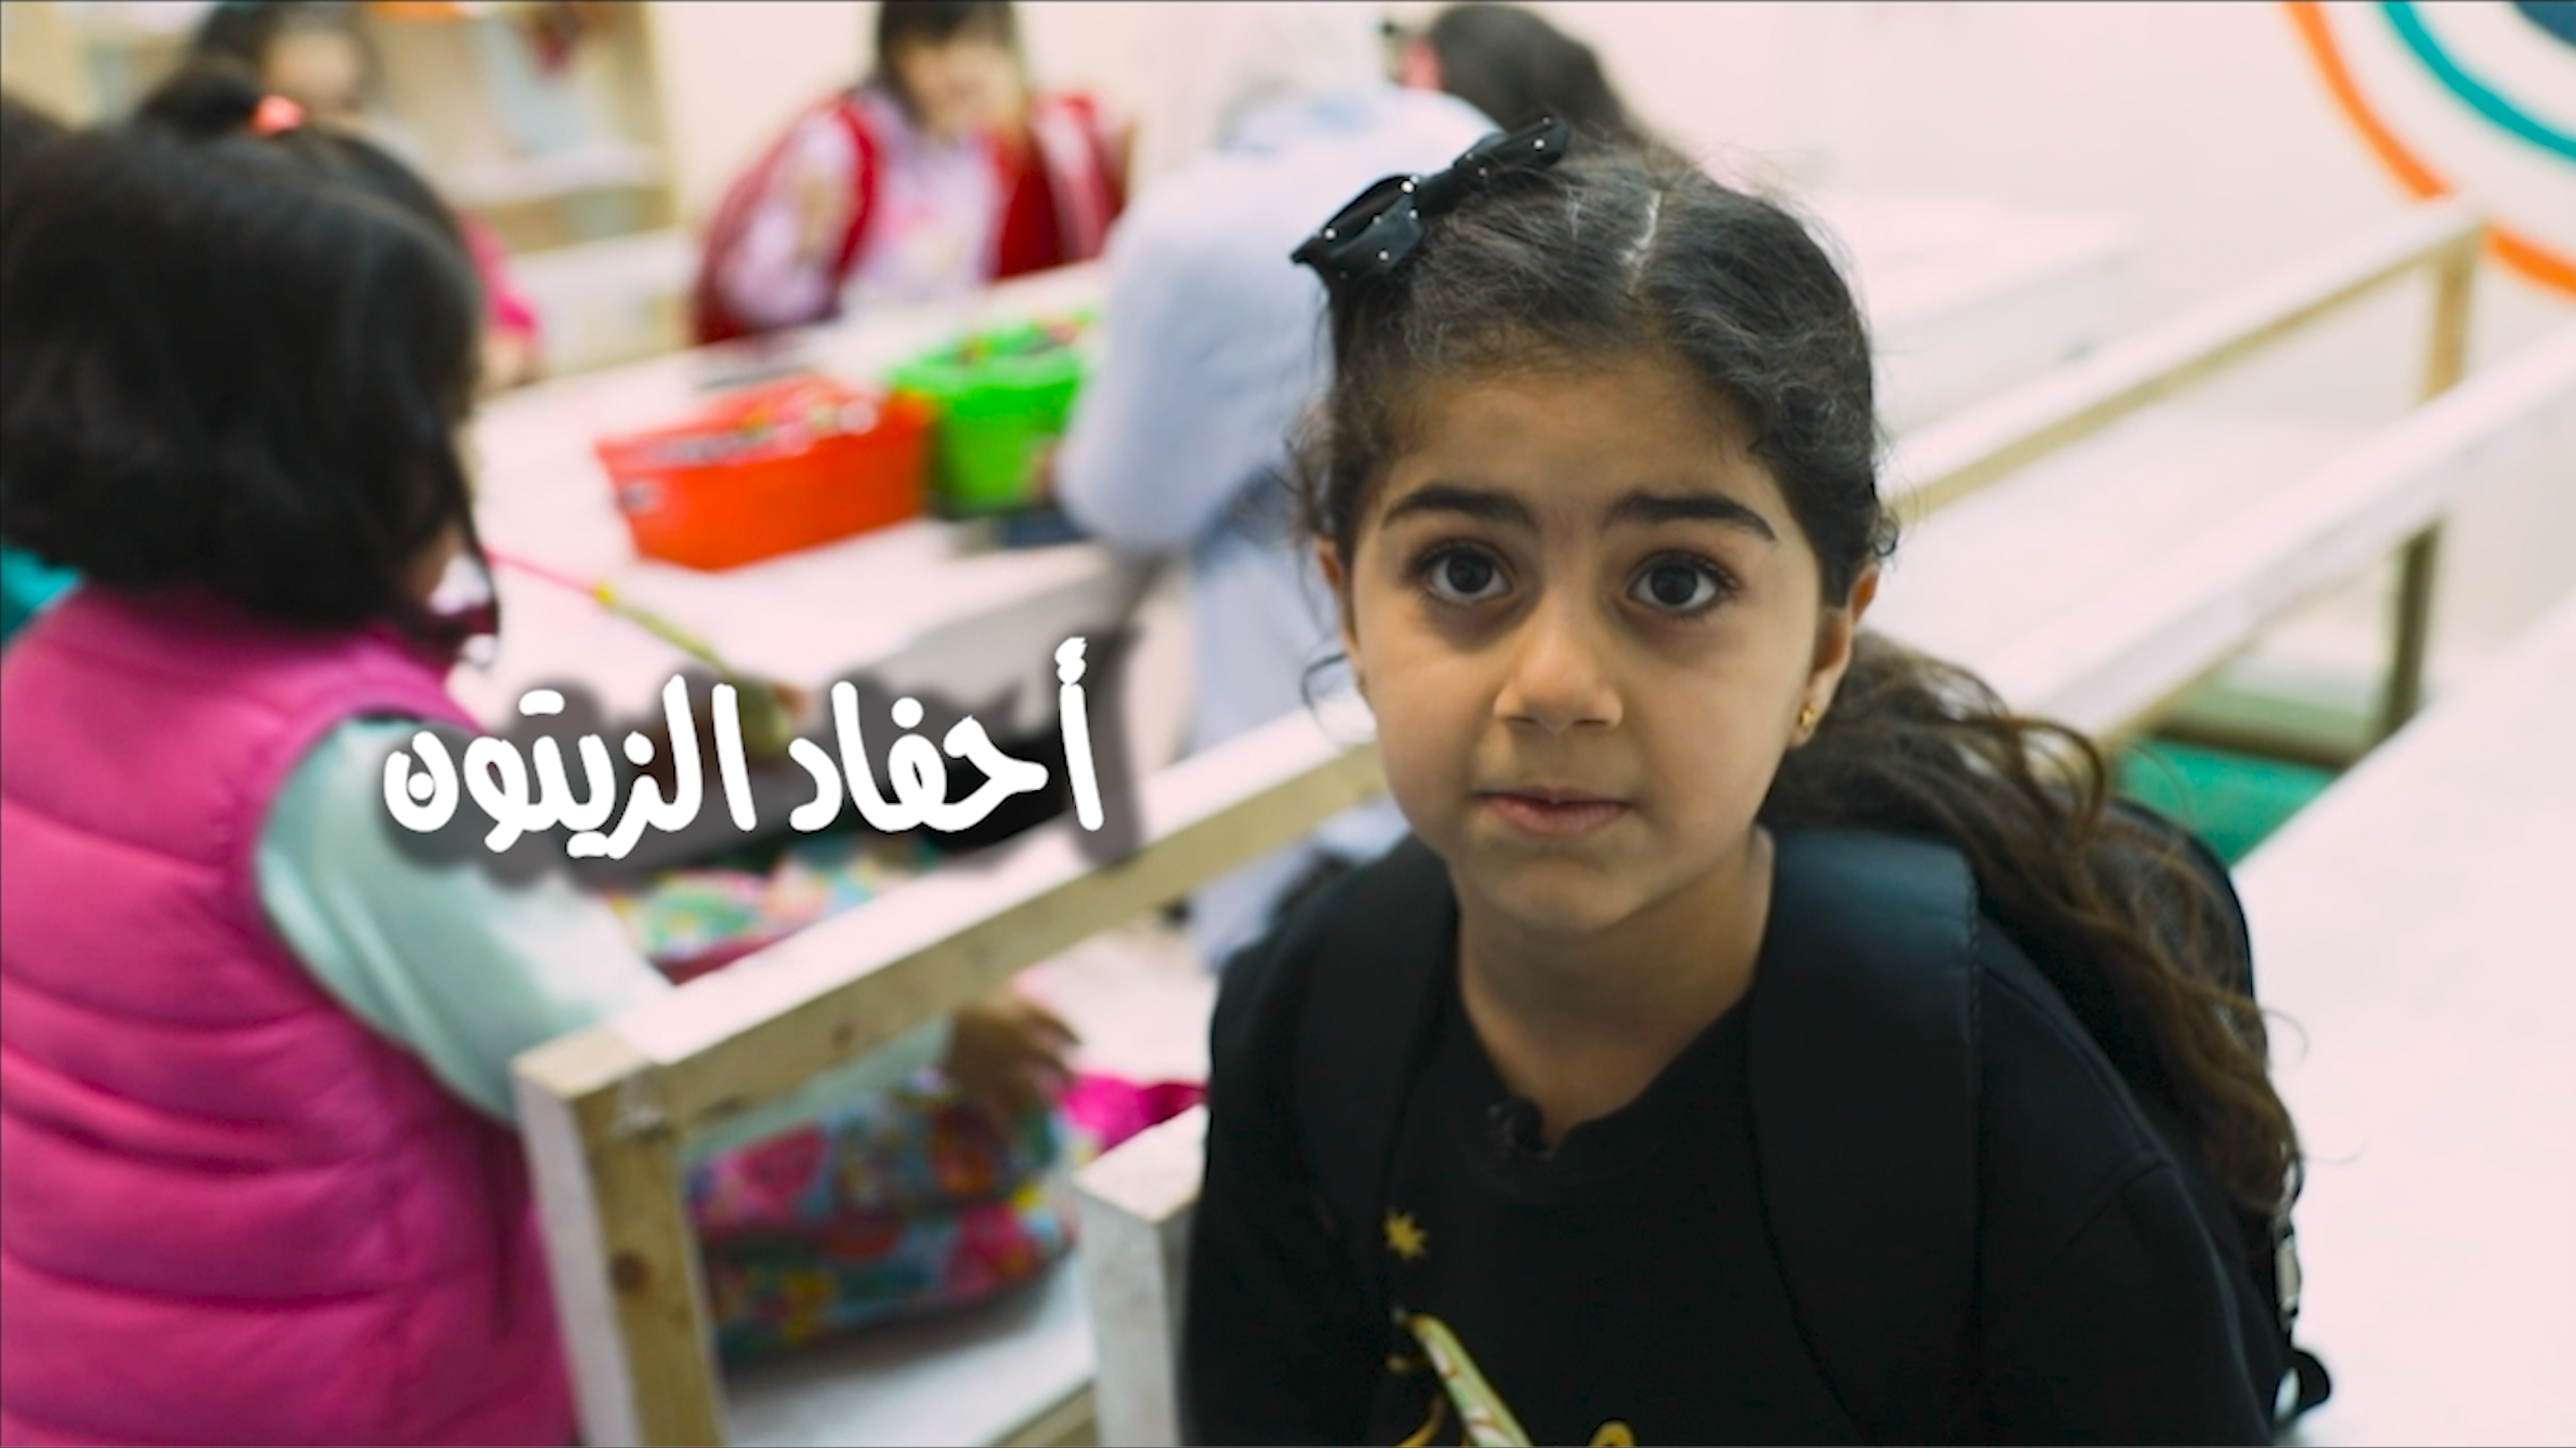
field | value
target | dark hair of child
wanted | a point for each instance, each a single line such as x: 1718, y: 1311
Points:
x: 236, y: 363
x: 938, y: 22
x: 1620, y: 252
x: 215, y: 97
x: 1517, y: 68
x: 243, y: 30
x: 905, y: 23
x: 23, y: 131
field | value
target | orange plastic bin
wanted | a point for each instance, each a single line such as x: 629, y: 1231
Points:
x: 769, y: 470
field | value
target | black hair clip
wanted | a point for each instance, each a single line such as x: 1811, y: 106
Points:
x: 1373, y: 235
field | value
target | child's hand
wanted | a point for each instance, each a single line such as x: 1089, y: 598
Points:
x: 1008, y: 1054
x: 768, y: 724
x: 509, y: 360
x: 1037, y: 484
x: 822, y: 212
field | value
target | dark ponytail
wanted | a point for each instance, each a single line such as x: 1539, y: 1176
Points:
x: 203, y: 99
x: 1622, y: 250
x: 215, y: 98
x: 245, y: 31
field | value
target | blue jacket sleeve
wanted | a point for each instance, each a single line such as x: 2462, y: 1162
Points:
x: 1213, y: 351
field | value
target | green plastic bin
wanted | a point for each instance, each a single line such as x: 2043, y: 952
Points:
x: 1001, y: 398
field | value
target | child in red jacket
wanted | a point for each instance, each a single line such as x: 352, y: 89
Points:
x: 941, y: 172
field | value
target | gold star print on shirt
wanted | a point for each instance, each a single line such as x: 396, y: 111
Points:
x: 1405, y: 1238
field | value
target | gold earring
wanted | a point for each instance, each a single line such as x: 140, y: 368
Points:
x: 1806, y: 718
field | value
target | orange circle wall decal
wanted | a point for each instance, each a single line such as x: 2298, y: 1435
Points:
x: 2465, y: 99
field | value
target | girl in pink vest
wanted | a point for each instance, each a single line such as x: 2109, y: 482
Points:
x: 942, y: 172
x: 258, y: 1181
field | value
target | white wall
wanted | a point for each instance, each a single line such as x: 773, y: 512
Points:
x: 733, y: 73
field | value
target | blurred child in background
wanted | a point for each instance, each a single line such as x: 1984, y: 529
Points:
x: 259, y: 1182
x: 941, y: 172
x: 1177, y: 442
x: 1516, y: 68
x: 316, y: 53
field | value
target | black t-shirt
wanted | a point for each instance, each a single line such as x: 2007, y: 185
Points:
x: 1624, y: 1288
x: 1526, y: 1264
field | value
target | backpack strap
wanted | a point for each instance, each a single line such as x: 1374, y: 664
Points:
x: 1870, y: 978
x: 2271, y: 1244
x: 1381, y: 941
x: 1873, y: 944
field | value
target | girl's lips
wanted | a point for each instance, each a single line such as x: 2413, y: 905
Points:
x: 1554, y: 819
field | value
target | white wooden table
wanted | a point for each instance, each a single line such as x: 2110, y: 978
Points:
x: 2412, y: 932
x: 916, y: 604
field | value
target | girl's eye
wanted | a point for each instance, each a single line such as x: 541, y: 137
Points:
x: 1678, y: 586
x: 1461, y: 575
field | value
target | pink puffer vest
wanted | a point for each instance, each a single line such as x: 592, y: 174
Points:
x: 229, y: 1211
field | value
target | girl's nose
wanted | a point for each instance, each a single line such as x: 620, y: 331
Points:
x: 1559, y: 675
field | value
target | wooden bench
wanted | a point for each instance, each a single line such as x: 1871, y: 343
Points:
x: 2102, y: 583
x: 1968, y: 297
x: 605, y: 1110
x: 2410, y: 929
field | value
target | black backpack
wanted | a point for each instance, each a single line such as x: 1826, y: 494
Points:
x: 1364, y: 1031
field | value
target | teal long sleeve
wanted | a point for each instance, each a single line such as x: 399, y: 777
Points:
x: 458, y: 968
